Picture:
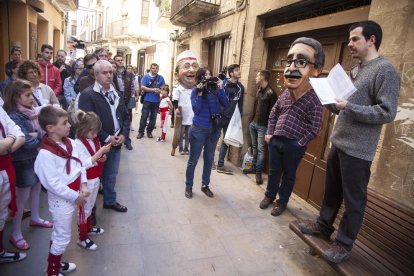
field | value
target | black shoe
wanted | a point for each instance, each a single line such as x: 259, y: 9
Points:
x: 188, y: 192
x: 140, y: 135
x: 116, y: 207
x: 207, y: 191
x: 264, y: 204
x: 259, y: 179
x: 149, y: 135
x: 278, y: 210
x: 129, y: 146
x: 249, y: 171
x: 336, y: 254
x: 312, y: 228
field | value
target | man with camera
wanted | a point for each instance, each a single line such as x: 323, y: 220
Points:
x: 234, y: 92
x: 206, y: 100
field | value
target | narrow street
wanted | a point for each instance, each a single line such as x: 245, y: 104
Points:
x: 164, y: 233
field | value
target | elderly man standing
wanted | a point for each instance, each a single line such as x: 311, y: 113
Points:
x: 103, y: 99
x: 294, y: 121
x: 354, y: 140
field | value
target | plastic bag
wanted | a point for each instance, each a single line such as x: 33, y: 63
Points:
x: 248, y: 160
x: 234, y: 134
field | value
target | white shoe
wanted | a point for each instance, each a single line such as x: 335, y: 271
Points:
x: 11, y: 257
x: 87, y: 244
x: 96, y: 231
x: 67, y: 267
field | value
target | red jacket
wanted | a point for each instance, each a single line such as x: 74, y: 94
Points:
x: 51, y: 76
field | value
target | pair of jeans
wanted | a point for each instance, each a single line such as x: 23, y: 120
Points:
x: 223, y: 125
x: 148, y: 109
x: 110, y: 172
x: 257, y: 135
x: 347, y: 178
x: 201, y: 138
x: 285, y: 156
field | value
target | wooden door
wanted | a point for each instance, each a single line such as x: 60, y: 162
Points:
x: 310, y: 176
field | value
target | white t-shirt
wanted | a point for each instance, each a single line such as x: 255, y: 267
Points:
x: 164, y: 102
x: 183, y: 96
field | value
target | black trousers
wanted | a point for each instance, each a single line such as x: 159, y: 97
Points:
x: 346, y: 178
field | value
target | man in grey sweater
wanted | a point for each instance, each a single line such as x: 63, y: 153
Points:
x: 354, y: 140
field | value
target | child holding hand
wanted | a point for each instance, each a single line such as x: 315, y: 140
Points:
x: 92, y: 156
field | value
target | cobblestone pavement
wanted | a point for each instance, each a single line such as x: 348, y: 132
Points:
x: 164, y: 233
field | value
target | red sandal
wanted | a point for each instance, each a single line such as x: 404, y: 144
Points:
x: 20, y: 244
x: 43, y: 223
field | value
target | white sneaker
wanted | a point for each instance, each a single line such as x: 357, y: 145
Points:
x: 87, y: 244
x: 11, y: 257
x: 96, y: 231
x: 67, y: 267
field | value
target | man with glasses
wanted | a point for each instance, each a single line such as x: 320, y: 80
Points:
x: 87, y: 80
x: 124, y: 83
x: 355, y: 139
x: 50, y: 74
x: 150, y: 86
x: 294, y: 121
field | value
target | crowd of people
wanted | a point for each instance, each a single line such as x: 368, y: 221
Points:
x: 76, y: 118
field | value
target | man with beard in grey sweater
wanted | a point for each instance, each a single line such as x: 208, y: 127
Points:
x: 354, y: 140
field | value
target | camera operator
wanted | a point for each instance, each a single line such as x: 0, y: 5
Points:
x: 234, y: 91
x: 206, y: 100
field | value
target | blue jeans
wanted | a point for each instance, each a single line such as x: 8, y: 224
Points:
x: 201, y: 138
x: 148, y: 109
x: 223, y: 125
x: 285, y: 155
x: 257, y: 135
x: 109, y: 175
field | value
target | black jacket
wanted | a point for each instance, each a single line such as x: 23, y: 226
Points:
x: 92, y: 100
x: 268, y: 99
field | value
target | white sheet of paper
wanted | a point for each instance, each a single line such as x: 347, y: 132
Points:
x: 336, y: 86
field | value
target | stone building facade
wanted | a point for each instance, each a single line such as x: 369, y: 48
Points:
x: 257, y: 34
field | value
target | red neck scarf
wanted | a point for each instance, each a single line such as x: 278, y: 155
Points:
x: 53, y: 147
x: 88, y: 146
x: 6, y: 164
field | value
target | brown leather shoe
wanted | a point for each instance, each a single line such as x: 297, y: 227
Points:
x: 312, y: 228
x: 278, y: 210
x: 336, y: 254
x: 140, y: 135
x: 266, y: 202
x: 259, y: 179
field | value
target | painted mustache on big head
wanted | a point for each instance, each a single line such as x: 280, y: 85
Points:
x: 293, y: 74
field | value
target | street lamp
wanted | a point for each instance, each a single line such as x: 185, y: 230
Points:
x: 173, y: 37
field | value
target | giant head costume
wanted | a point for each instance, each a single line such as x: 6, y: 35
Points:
x: 186, y: 68
x: 305, y: 59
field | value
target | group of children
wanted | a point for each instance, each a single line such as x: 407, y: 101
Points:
x: 35, y: 150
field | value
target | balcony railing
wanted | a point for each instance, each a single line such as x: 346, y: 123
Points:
x: 187, y: 12
x: 127, y: 27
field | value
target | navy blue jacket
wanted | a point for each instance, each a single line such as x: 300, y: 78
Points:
x: 92, y: 100
x: 235, y: 95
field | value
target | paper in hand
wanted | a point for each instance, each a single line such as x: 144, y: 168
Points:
x: 336, y: 86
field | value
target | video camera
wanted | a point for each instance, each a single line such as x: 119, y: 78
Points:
x: 209, y: 85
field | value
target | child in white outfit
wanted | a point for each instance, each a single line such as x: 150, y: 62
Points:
x: 61, y: 172
x: 92, y: 156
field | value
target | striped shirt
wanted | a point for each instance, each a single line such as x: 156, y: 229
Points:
x: 299, y: 120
